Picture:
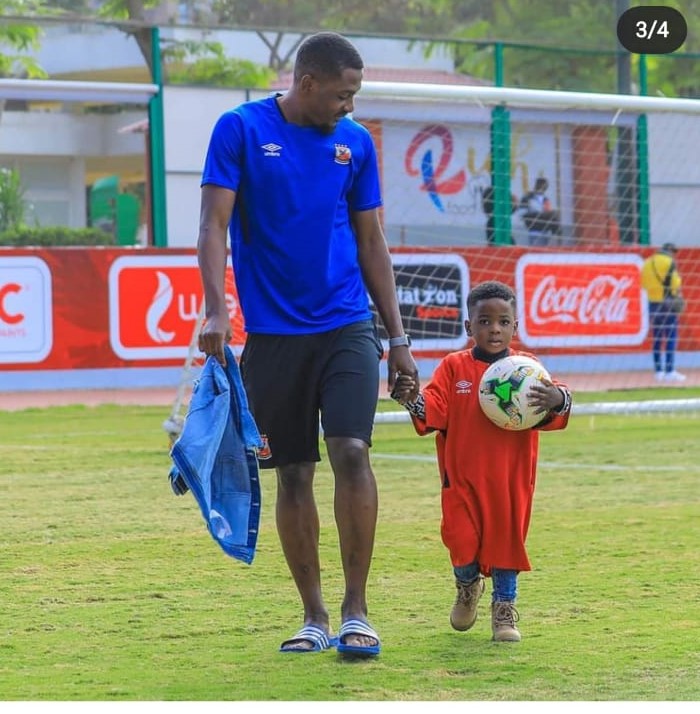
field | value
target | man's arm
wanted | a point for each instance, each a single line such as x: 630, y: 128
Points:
x: 378, y: 274
x: 215, y: 214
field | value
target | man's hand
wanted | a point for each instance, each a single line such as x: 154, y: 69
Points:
x: 215, y: 333
x: 404, y: 386
x: 400, y: 362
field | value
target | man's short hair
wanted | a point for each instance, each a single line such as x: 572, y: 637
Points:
x: 326, y: 54
x: 669, y: 248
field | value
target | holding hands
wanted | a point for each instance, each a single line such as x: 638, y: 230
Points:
x: 405, y: 387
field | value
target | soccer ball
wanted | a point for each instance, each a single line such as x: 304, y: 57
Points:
x: 503, y: 392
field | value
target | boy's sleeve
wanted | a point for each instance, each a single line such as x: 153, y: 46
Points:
x: 435, y: 403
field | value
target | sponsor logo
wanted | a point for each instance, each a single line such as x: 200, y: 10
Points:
x: 26, y: 319
x: 264, y: 452
x: 431, y: 290
x: 434, y: 183
x: 271, y: 149
x: 342, y: 154
x: 463, y: 387
x: 155, y: 305
x: 580, y: 300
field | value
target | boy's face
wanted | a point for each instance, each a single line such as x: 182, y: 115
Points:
x: 492, y: 324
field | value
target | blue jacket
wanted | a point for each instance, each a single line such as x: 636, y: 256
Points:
x: 215, y: 458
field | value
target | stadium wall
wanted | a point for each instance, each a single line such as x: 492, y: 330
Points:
x: 81, y: 318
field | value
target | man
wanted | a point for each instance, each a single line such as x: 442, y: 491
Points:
x: 296, y: 182
x: 540, y: 219
x: 660, y: 278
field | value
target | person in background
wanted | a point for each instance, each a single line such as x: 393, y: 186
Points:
x: 487, y: 473
x: 295, y: 181
x: 541, y: 220
x: 662, y: 282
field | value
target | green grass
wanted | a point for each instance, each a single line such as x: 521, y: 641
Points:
x: 111, y: 588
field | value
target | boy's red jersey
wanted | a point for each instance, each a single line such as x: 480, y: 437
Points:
x: 488, y: 473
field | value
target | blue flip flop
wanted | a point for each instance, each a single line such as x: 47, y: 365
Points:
x: 358, y: 627
x: 309, y: 633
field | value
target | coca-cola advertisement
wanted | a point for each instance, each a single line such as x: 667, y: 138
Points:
x: 580, y: 299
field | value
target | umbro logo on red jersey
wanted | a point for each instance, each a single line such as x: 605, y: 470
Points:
x: 271, y: 149
x: 463, y: 387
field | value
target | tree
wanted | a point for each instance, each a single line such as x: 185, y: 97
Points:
x: 212, y: 67
x: 580, y: 41
x: 209, y: 65
x: 19, y: 39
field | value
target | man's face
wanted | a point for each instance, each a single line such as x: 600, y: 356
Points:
x: 328, y: 100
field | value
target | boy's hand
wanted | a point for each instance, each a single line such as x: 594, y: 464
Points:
x: 404, y: 385
x: 546, y: 396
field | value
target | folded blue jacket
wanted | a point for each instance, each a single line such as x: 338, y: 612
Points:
x: 215, y: 458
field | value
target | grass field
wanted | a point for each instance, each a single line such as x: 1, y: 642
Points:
x: 111, y: 588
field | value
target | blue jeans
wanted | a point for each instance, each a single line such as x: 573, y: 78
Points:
x: 536, y: 238
x: 664, y: 333
x: 505, y: 582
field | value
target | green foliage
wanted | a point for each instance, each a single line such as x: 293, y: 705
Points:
x: 21, y: 38
x: 12, y: 203
x: 113, y: 590
x: 205, y: 63
x: 126, y: 9
x: 570, y: 46
x: 56, y: 236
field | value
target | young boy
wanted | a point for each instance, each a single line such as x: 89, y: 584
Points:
x: 488, y: 473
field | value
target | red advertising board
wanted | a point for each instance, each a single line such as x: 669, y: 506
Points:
x: 101, y: 308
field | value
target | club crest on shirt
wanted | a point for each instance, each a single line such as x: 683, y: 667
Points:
x: 342, y: 154
x: 264, y: 452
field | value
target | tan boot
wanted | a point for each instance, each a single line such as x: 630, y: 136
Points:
x: 503, y: 619
x: 463, y: 615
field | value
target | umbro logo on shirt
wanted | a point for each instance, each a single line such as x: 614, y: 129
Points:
x: 271, y: 149
x: 463, y: 387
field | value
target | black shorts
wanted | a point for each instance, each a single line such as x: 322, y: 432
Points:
x: 290, y: 379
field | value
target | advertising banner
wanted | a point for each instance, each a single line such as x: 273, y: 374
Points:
x: 437, y: 172
x: 154, y: 304
x: 580, y: 299
x: 26, y: 326
x: 111, y: 308
x: 432, y: 294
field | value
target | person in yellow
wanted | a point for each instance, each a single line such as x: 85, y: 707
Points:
x: 661, y: 279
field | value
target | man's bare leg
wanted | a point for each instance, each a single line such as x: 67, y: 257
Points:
x: 298, y: 529
x: 356, y: 517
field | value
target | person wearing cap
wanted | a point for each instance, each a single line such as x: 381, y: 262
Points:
x: 660, y: 278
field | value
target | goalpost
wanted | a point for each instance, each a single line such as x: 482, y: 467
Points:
x: 623, y: 177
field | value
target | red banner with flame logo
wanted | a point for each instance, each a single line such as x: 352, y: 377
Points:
x: 72, y: 308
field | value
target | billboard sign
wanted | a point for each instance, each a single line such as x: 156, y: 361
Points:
x: 580, y: 299
x: 431, y: 290
x: 26, y: 310
x: 154, y: 305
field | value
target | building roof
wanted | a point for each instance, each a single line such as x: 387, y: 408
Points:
x: 400, y: 74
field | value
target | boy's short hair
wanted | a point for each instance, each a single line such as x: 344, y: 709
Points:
x: 326, y: 54
x: 490, y: 289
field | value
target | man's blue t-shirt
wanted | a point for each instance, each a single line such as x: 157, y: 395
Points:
x: 293, y: 249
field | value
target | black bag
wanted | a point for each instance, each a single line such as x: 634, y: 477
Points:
x: 671, y: 303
